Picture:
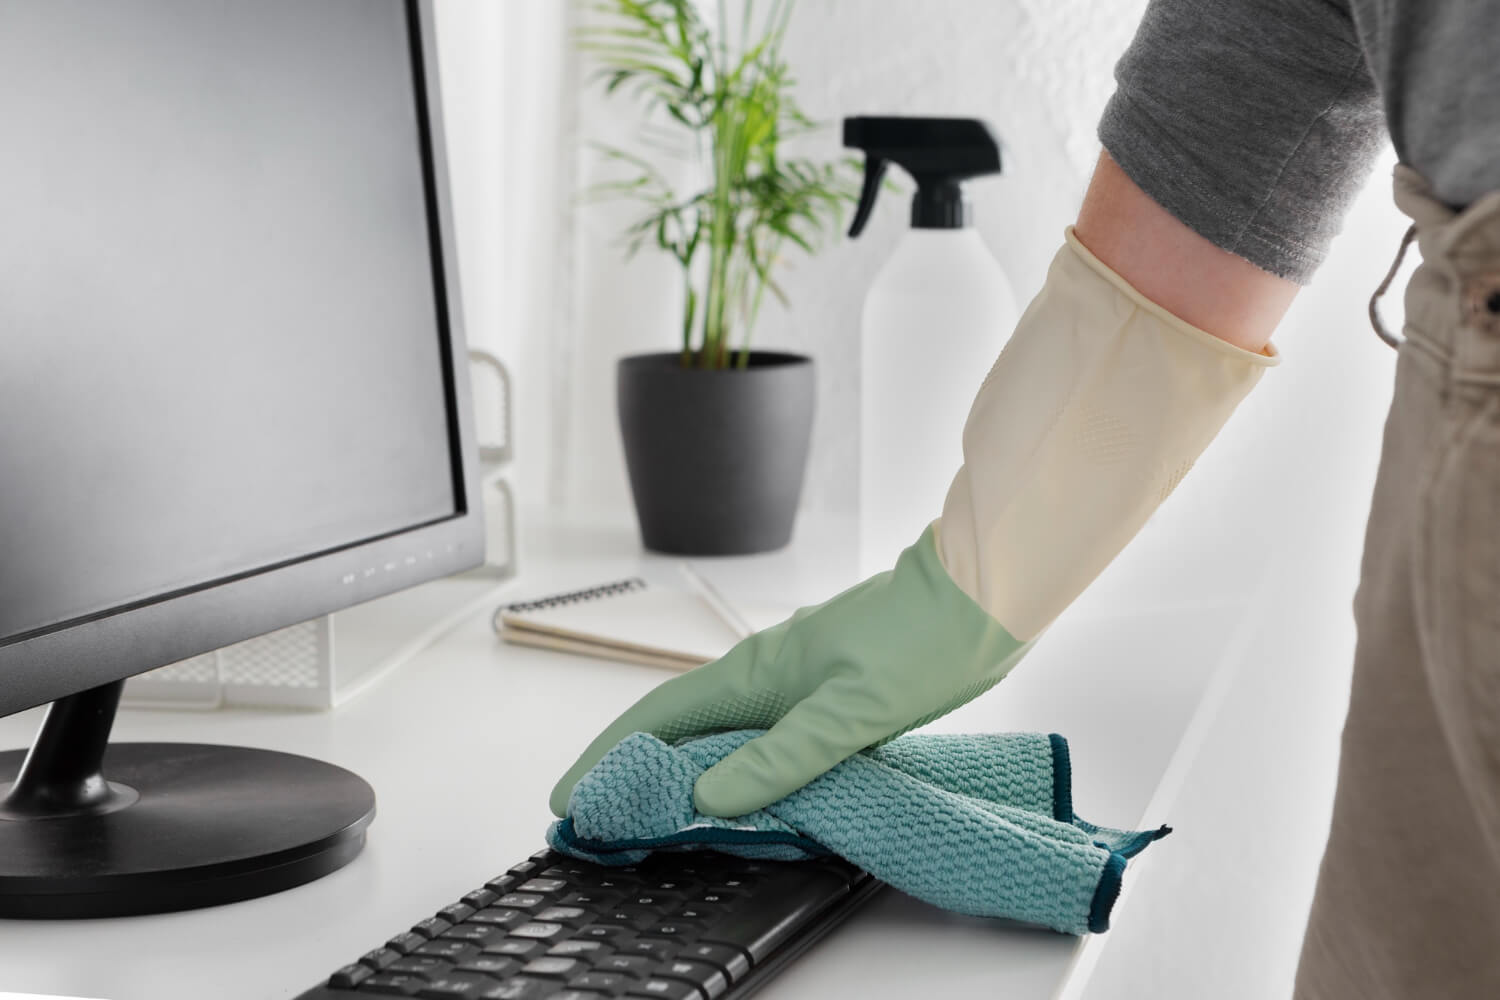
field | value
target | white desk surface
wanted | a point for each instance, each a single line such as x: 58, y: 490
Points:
x: 463, y: 744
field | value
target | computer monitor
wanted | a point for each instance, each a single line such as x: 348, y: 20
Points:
x: 232, y: 397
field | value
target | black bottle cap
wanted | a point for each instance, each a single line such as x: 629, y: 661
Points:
x: 939, y: 153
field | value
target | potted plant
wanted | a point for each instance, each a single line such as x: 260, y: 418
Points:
x: 716, y: 433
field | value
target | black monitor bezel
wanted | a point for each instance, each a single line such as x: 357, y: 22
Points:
x: 122, y: 642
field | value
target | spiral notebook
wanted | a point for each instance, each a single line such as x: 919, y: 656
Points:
x: 632, y: 622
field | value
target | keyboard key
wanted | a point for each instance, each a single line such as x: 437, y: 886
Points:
x: 697, y: 913
x: 431, y: 927
x: 707, y: 978
x: 596, y: 899
x: 406, y: 943
x: 571, y: 916
x: 666, y: 989
x: 542, y: 885
x: 546, y: 855
x: 675, y: 884
x: 380, y: 958
x: 553, y: 965
x: 521, y: 900
x: 457, y: 913
x: 524, y: 868
x: 480, y: 898
x: 425, y: 966
x: 626, y: 915
x: 401, y: 984
x: 731, y: 960
x: 775, y: 915
x: 680, y: 929
x: 572, y: 994
x: 715, y: 897
x: 497, y: 966
x: 502, y: 883
x: 540, y: 931
x: 520, y: 989
x: 453, y: 951
x: 350, y: 976
x: 514, y: 948
x: 576, y: 948
x: 608, y: 983
x: 499, y: 916
x: 568, y: 872
x: 480, y: 934
x: 455, y: 985
x: 652, y: 948
x: 702, y: 864
x: 604, y: 878
x: 634, y: 966
x: 658, y: 901
x: 605, y: 932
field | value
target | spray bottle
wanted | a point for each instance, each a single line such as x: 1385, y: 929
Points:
x: 933, y: 322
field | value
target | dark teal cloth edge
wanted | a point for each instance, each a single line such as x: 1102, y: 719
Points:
x: 706, y: 836
x: 1130, y: 846
x: 1106, y: 892
x: 1062, y: 779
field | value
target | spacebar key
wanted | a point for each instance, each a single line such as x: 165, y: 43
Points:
x: 776, y: 910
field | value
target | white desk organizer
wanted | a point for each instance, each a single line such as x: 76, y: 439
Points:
x: 323, y: 662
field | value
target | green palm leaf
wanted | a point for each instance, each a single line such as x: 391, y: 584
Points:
x: 732, y: 97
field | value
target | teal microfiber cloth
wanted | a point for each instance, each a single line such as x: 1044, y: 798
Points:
x: 978, y: 824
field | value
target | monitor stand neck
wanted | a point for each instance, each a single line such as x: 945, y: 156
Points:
x: 63, y: 773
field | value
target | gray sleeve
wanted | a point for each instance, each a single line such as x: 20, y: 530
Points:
x: 1254, y: 122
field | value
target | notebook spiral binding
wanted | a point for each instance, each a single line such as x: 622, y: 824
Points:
x: 573, y: 597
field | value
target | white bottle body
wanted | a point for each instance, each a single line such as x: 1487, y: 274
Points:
x: 934, y: 321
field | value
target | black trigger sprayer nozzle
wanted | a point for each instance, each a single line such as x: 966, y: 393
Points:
x: 939, y: 154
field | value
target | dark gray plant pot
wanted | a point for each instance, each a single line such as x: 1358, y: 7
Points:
x: 716, y: 458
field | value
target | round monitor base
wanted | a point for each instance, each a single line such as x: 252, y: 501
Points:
x: 213, y: 824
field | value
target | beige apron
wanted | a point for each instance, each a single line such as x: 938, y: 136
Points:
x: 1408, y: 894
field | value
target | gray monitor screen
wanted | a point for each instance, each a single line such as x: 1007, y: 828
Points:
x: 220, y: 343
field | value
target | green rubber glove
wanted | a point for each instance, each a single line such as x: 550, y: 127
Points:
x: 890, y: 654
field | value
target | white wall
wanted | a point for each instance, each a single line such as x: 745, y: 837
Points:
x: 1221, y: 911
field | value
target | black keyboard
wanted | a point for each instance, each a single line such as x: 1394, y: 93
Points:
x: 676, y: 927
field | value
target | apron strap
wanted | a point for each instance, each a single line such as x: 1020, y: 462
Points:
x: 1380, y: 330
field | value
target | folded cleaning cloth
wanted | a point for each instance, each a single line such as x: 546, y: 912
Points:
x: 980, y: 824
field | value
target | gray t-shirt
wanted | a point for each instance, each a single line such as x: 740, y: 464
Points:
x: 1255, y: 121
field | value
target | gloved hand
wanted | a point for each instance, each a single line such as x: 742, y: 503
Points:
x: 1092, y: 414
x: 889, y: 654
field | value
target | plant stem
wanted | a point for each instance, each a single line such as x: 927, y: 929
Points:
x: 754, y: 310
x: 721, y: 241
x: 689, y: 308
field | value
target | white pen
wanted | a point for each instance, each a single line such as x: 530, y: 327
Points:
x: 715, y: 600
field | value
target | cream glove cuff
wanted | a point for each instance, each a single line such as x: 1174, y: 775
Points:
x: 1094, y: 411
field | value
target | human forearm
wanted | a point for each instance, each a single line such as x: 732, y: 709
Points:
x: 1176, y: 268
